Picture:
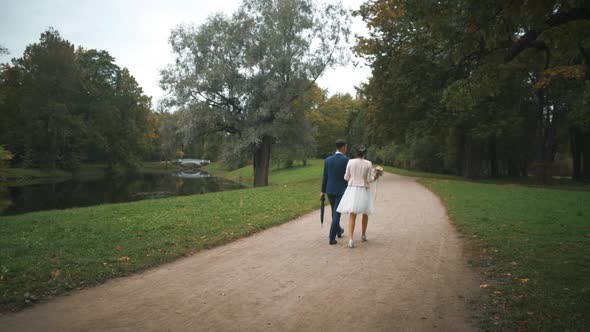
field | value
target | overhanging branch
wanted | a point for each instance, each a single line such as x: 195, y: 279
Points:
x: 529, y: 39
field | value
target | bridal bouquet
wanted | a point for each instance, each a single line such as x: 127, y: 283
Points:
x: 379, y: 170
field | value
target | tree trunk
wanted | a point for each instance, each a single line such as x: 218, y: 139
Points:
x: 262, y: 161
x: 467, y: 159
x: 586, y: 155
x: 549, y: 121
x: 513, y: 170
x: 494, y: 173
x: 576, y: 144
x: 460, y: 149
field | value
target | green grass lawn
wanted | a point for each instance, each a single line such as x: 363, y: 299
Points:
x: 50, y: 252
x: 217, y: 168
x: 26, y: 176
x: 245, y: 175
x: 532, y: 246
x: 565, y: 183
x: 22, y: 175
x: 405, y: 172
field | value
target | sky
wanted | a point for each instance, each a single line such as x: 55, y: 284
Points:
x: 136, y: 33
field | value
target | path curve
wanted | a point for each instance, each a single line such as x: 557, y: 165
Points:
x: 410, y: 276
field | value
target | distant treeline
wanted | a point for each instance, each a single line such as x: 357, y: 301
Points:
x: 61, y: 106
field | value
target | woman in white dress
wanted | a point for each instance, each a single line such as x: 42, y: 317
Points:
x: 357, y: 198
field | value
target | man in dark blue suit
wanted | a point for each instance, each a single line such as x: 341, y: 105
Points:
x: 334, y: 185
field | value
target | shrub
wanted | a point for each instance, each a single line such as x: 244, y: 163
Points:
x: 5, y: 156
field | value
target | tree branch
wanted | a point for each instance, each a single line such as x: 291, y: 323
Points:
x: 328, y: 62
x: 529, y: 38
x: 229, y: 102
x: 586, y: 57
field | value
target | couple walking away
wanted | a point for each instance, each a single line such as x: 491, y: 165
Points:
x: 346, y: 182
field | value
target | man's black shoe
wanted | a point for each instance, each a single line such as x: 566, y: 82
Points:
x: 333, y: 241
x: 341, y: 232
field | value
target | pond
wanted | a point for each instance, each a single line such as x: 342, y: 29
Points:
x: 79, y: 193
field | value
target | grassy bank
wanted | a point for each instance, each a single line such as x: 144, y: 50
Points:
x: 26, y: 176
x: 405, y: 172
x: 18, y: 174
x: 532, y: 246
x: 555, y: 182
x: 245, y: 175
x: 47, y: 253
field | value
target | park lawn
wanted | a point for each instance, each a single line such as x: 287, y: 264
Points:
x: 532, y: 246
x: 405, y: 172
x: 50, y: 252
x: 157, y: 167
x: 217, y: 168
x: 245, y: 175
x: 565, y: 183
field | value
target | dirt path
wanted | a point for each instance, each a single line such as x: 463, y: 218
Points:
x: 410, y: 276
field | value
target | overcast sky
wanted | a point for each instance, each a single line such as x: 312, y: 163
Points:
x: 136, y: 32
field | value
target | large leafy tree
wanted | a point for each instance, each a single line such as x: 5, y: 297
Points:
x: 485, y: 78
x: 243, y: 74
x: 51, y: 102
x: 334, y: 118
x: 116, y: 109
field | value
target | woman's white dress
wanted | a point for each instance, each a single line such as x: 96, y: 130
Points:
x: 358, y: 198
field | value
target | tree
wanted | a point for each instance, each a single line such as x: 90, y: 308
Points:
x: 485, y: 79
x: 50, y: 102
x: 242, y: 74
x: 12, y: 119
x: 335, y: 118
x: 116, y: 108
x: 60, y: 106
x: 169, y: 135
x: 5, y: 156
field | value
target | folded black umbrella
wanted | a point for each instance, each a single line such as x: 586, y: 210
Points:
x: 322, y: 204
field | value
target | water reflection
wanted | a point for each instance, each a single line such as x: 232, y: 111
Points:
x: 76, y: 193
x: 189, y: 174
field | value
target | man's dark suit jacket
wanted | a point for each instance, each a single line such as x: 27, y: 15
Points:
x: 333, y: 182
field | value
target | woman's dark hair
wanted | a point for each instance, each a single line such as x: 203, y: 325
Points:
x: 361, y: 151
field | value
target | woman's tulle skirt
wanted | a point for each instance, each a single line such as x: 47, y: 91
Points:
x: 358, y: 200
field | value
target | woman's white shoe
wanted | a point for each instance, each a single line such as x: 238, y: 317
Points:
x: 364, y: 238
x: 350, y: 244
